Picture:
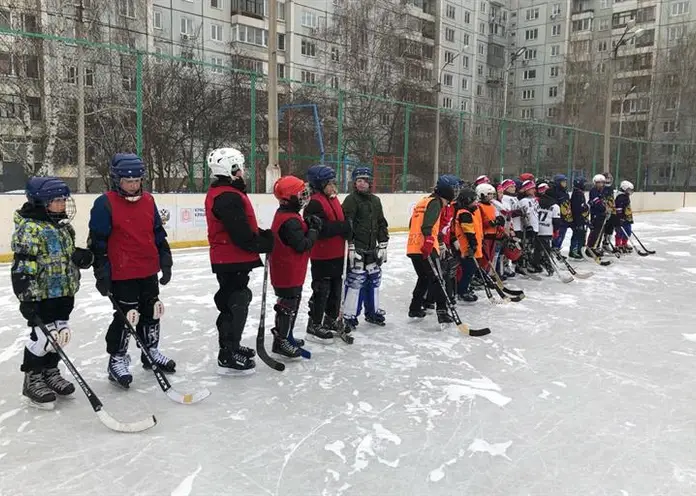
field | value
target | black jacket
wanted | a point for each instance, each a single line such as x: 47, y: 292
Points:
x: 364, y: 212
x: 229, y: 209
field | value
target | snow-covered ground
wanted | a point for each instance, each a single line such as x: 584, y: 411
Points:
x: 582, y: 389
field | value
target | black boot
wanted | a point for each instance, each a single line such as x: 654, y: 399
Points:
x: 57, y: 382
x: 232, y: 362
x: 37, y: 392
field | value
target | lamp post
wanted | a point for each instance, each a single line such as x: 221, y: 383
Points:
x: 272, y: 170
x: 626, y: 36
x: 513, y: 57
x: 618, y: 145
x: 438, y: 88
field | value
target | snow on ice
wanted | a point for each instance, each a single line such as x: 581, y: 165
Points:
x: 583, y: 388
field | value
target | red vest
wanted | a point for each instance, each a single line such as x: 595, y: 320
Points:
x: 222, y: 250
x: 288, y: 268
x: 131, y: 247
x: 334, y: 247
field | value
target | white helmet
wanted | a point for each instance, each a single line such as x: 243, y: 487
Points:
x: 225, y: 162
x: 626, y: 186
x: 485, y: 191
x: 599, y: 178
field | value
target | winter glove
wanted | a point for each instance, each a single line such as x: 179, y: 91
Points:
x: 456, y: 245
x: 355, y: 259
x: 346, y: 230
x: 312, y: 235
x: 427, y: 247
x: 314, y: 222
x: 82, y: 258
x: 103, y: 276
x: 499, y: 221
x: 445, y: 252
x: 265, y: 241
x: 21, y: 284
x: 166, y: 263
x: 382, y: 252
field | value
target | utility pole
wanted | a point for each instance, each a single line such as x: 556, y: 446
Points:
x: 81, y: 179
x: 273, y: 170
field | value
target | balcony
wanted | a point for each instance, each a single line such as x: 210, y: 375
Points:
x: 248, y: 8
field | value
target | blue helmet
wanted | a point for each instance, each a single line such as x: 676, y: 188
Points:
x: 559, y: 177
x: 579, y: 183
x: 518, y: 184
x: 447, y: 186
x: 362, y: 173
x: 126, y: 166
x: 41, y: 191
x: 318, y: 176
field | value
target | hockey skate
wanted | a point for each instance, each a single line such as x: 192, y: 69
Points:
x: 36, y: 392
x: 444, y: 319
x: 376, y: 319
x: 57, y: 383
x: 285, y: 347
x: 118, y: 370
x: 164, y: 363
x: 232, y: 362
x: 319, y: 334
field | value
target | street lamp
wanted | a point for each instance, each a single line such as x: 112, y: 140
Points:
x: 618, y: 145
x: 513, y: 57
x: 626, y: 36
x: 438, y: 88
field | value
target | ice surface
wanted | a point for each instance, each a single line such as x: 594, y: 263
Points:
x: 584, y: 388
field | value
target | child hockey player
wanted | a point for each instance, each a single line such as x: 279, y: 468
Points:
x: 513, y: 214
x: 468, y: 240
x: 622, y: 203
x: 130, y: 247
x: 326, y: 255
x: 560, y: 194
x: 490, y: 220
x: 423, y: 244
x: 580, y: 212
x: 367, y: 249
x: 598, y: 210
x: 45, y: 279
x: 235, y: 244
x: 293, y: 240
x: 612, y: 219
x: 549, y: 222
x: 530, y: 221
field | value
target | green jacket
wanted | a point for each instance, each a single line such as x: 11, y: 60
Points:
x: 42, y: 253
x: 364, y: 212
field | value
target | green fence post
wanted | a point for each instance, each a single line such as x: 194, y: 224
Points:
x: 594, y: 155
x: 407, y: 124
x: 503, y: 139
x: 618, y: 160
x: 339, y: 149
x: 252, y: 153
x: 640, y: 165
x: 138, y: 105
x: 460, y: 139
x: 571, y: 144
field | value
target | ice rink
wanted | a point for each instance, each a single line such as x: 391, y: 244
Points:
x: 587, y: 388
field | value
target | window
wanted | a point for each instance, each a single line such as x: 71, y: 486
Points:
x: 556, y: 9
x: 530, y: 54
x: 70, y: 75
x: 449, y: 57
x: 465, y: 106
x: 466, y: 40
x: 675, y: 33
x: 580, y: 46
x: 551, y: 132
x: 216, y: 32
x: 447, y: 102
x: 604, y: 24
x: 555, y: 50
x: 483, y: 7
x: 527, y: 94
x: 556, y: 30
x: 449, y: 34
x: 128, y: 83
x: 157, y: 19
x: 89, y: 77
x: 450, y: 11
x: 307, y: 77
x: 670, y: 127
x: 482, y: 27
x: 5, y: 64
x: 34, y: 108
x: 602, y: 46
x: 31, y: 66
x: 671, y: 102
x: 529, y: 74
x: 281, y: 71
x: 553, y: 91
x: 532, y: 14
x: 309, y: 49
x: 467, y: 17
x: 334, y: 54
x: 481, y: 49
x: 479, y: 91
x: 554, y: 71
x: 679, y: 8
x: 333, y: 82
x: 465, y: 61
x: 479, y: 70
x: 217, y: 62
x: 448, y: 79
x: 281, y: 42
x: 309, y: 19
x: 604, y: 4
x: 646, y: 14
x: 528, y: 113
x: 216, y: 4
x: 5, y: 19
x: 582, y: 25
x: 186, y: 25
x: 531, y: 34
x: 126, y: 8
x: 251, y: 35
x: 465, y: 84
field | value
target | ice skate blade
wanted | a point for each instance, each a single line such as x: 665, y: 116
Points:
x: 118, y: 384
x: 39, y: 406
x: 312, y: 338
x: 234, y: 372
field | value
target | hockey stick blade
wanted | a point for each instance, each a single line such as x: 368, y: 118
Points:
x: 265, y: 358
x: 516, y: 299
x: 127, y: 427
x: 583, y: 275
x: 564, y: 279
x: 187, y: 398
x: 513, y: 292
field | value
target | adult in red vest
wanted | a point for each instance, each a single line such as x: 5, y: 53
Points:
x: 235, y: 243
x: 327, y: 254
x: 130, y: 247
x: 293, y: 240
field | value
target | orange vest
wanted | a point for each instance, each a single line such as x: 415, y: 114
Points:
x: 487, y: 216
x: 415, y: 234
x: 462, y: 229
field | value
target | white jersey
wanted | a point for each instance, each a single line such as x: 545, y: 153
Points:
x: 546, y: 216
x: 511, y: 204
x: 530, y: 213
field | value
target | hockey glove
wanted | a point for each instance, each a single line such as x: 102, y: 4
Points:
x: 21, y: 284
x: 427, y: 247
x: 82, y: 258
x: 355, y: 259
x: 103, y: 276
x: 382, y: 252
x: 265, y: 241
x: 499, y: 221
x: 456, y: 245
x: 314, y: 223
x: 347, y: 230
x: 166, y: 274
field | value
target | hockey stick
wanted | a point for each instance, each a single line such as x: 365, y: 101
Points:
x: 564, y: 279
x: 463, y: 328
x: 340, y: 324
x: 596, y: 258
x: 649, y: 252
x: 499, y: 283
x: 614, y: 251
x: 635, y: 248
x: 173, y: 394
x: 103, y: 415
x: 503, y: 296
x: 487, y: 284
x: 261, y: 333
x: 571, y: 269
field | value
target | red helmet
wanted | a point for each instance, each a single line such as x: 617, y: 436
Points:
x: 288, y: 186
x: 527, y: 176
x: 527, y: 185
